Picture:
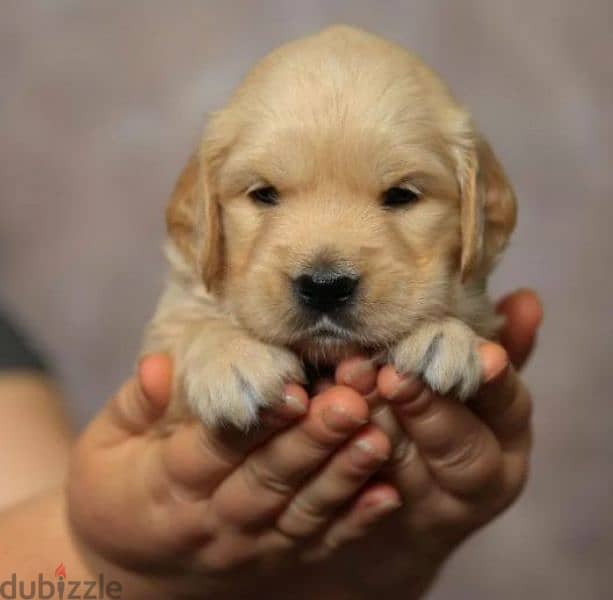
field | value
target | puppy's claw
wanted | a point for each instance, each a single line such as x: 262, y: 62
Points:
x: 444, y: 354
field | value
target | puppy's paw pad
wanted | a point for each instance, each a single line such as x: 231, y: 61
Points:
x: 444, y: 354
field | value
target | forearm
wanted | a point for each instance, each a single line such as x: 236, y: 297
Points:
x: 37, y: 538
x: 32, y: 398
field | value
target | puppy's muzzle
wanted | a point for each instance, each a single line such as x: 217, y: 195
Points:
x: 325, y: 290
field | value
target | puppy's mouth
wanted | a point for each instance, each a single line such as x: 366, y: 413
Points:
x: 327, y: 329
x: 326, y: 341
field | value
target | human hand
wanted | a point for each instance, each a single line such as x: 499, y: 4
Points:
x: 455, y: 466
x: 196, y: 512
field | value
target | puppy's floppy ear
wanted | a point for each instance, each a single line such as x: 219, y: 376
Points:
x: 193, y: 222
x: 488, y: 208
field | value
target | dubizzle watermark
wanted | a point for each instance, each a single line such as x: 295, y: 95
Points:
x: 60, y: 588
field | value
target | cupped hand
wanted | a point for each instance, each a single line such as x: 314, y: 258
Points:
x: 455, y: 466
x: 306, y: 498
x: 192, y: 510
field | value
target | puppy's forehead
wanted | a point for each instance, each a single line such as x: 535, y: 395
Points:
x: 339, y: 98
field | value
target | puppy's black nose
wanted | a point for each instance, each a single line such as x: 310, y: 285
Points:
x: 325, y: 290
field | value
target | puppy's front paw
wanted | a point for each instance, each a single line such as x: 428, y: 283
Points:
x: 229, y: 384
x: 444, y: 354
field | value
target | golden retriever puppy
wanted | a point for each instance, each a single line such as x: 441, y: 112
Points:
x: 341, y: 203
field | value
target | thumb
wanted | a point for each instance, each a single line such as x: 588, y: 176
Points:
x: 142, y: 400
x: 523, y: 314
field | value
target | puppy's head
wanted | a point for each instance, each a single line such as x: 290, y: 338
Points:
x: 340, y: 196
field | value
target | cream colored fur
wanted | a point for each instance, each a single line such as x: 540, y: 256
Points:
x: 331, y: 121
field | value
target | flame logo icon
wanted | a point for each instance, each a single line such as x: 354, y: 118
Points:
x: 60, y: 571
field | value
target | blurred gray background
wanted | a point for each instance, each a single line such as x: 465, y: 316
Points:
x: 101, y: 103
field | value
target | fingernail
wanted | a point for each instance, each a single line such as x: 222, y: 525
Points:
x: 295, y: 405
x: 385, y: 507
x: 337, y: 418
x: 366, y: 448
x: 408, y: 386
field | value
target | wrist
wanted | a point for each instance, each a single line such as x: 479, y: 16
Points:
x: 411, y: 564
x: 90, y: 565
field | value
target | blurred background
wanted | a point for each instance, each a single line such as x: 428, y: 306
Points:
x: 102, y: 102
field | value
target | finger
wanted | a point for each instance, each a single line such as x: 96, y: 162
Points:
x: 505, y: 406
x: 358, y: 372
x: 403, y: 388
x: 199, y: 458
x: 384, y: 418
x: 396, y: 388
x: 392, y: 386
x: 371, y: 507
x: 523, y: 314
x: 140, y: 402
x: 410, y: 473
x: 293, y: 405
x: 155, y: 377
x: 331, y: 488
x: 460, y: 452
x: 517, y: 467
x: 405, y: 468
x: 267, y: 480
x: 494, y: 360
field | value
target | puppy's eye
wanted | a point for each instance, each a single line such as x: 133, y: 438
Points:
x: 264, y: 195
x: 400, y: 196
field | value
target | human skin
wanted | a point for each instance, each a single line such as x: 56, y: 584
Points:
x: 31, y: 398
x: 203, y: 515
x: 465, y: 465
